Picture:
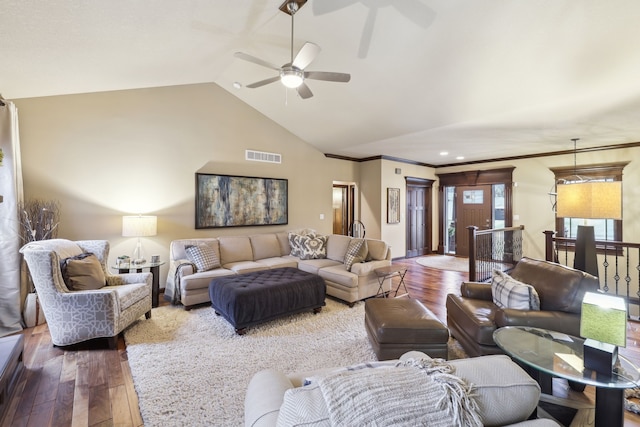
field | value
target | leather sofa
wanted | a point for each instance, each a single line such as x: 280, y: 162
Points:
x: 506, y: 395
x: 245, y: 254
x: 472, y: 316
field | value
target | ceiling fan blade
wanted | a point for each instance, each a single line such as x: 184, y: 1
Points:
x: 255, y: 60
x: 327, y: 76
x: 304, y: 91
x: 327, y: 6
x: 307, y: 53
x: 263, y: 82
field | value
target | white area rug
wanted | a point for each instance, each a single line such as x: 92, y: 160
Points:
x: 191, y: 368
x: 445, y: 262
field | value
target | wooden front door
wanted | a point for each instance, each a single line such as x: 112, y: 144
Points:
x: 418, y: 217
x: 473, y: 207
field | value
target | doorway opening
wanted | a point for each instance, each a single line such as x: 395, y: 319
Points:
x: 473, y: 198
x: 343, y: 207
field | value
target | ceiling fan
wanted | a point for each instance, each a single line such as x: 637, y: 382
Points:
x: 293, y: 73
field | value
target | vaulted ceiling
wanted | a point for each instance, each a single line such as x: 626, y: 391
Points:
x: 475, y: 78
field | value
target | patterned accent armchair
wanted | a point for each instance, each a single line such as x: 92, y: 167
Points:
x: 76, y: 316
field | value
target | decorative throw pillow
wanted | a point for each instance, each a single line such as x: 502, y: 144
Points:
x: 203, y: 257
x: 356, y: 252
x: 82, y: 272
x: 507, y: 292
x: 313, y: 247
x: 297, y: 241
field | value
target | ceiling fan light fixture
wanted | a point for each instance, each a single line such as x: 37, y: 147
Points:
x: 291, y: 77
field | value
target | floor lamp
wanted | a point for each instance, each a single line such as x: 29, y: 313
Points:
x: 589, y: 200
x: 139, y: 226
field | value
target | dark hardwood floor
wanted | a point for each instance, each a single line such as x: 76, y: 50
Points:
x: 91, y: 385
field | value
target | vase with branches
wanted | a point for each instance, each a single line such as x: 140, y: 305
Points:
x: 39, y: 220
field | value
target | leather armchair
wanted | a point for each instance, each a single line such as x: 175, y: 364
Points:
x: 472, y: 316
x: 76, y: 316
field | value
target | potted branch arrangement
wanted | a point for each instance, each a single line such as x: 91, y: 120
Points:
x: 38, y: 221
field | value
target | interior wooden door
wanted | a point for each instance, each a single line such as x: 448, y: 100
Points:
x: 418, y: 215
x: 473, y: 207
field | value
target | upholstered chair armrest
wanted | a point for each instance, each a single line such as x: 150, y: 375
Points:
x: 364, y: 268
x: 476, y: 290
x: 264, y: 398
x: 129, y: 279
x: 560, y: 321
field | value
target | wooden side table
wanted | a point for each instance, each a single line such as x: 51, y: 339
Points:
x: 389, y: 272
x: 154, y: 268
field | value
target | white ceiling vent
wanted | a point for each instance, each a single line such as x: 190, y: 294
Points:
x: 261, y: 156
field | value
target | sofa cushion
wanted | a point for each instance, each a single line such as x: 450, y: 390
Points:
x: 129, y: 295
x: 265, y: 246
x: 178, y: 247
x: 510, y: 293
x: 377, y: 250
x: 203, y: 257
x: 315, y: 265
x: 338, y: 274
x: 356, y: 252
x: 503, y: 390
x: 337, y: 245
x: 235, y: 249
x: 283, y: 241
x: 82, y: 272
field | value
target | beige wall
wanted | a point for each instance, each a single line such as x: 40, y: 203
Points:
x: 105, y: 155
x: 395, y: 234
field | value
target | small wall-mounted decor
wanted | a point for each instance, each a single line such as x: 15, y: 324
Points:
x: 393, y: 205
x: 235, y: 201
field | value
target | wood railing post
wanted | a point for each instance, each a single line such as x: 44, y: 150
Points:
x: 548, y: 245
x: 472, y: 252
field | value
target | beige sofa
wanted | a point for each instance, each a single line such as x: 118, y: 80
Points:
x: 505, y: 394
x: 245, y: 254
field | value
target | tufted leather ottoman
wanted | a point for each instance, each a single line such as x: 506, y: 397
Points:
x: 252, y: 298
x: 398, y: 325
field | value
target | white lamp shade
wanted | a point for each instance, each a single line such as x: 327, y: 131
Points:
x: 139, y: 225
x: 594, y: 200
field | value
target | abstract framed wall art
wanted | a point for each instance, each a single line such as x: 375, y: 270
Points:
x: 393, y: 205
x: 238, y: 201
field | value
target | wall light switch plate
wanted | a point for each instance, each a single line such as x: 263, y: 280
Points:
x: 321, y: 216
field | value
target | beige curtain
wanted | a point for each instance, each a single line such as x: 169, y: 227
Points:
x: 11, y: 192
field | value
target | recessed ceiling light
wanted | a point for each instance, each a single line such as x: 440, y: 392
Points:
x: 444, y: 153
x: 237, y: 85
x: 460, y: 158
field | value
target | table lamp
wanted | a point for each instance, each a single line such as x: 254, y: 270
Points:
x: 603, y: 322
x: 589, y: 200
x: 139, y: 226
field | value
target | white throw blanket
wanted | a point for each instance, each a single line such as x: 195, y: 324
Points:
x: 415, y: 392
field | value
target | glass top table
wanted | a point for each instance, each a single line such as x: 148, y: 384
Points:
x: 561, y: 355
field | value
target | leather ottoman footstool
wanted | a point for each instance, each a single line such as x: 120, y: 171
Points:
x: 398, y: 325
